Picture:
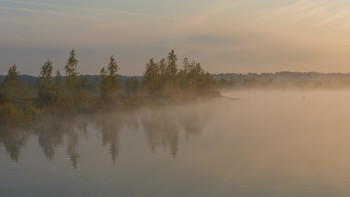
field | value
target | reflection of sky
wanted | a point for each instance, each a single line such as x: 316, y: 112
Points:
x: 224, y: 35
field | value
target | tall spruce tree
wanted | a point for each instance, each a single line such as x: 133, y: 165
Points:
x: 71, y: 75
x: 151, y: 77
x: 13, y: 90
x: 82, y: 95
x: 109, y: 81
x: 172, y: 69
x: 45, y: 86
x: 162, y: 72
x: 57, y: 88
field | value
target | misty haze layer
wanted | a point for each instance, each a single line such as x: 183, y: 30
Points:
x: 266, y: 143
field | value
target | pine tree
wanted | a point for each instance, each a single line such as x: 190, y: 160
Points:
x: 112, y: 75
x: 162, y: 71
x: 13, y: 89
x: 58, y: 95
x: 82, y: 95
x: 104, y: 85
x: 45, y: 86
x: 193, y: 79
x: 72, y: 75
x: 172, y: 69
x: 109, y: 81
x: 151, y: 80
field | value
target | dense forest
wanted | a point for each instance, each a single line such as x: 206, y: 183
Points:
x: 23, y: 97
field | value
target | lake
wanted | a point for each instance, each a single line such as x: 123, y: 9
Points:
x: 266, y: 143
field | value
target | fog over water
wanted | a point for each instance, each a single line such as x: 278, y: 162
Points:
x: 266, y: 143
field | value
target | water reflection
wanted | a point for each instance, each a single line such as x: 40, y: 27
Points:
x: 269, y: 144
x: 13, y: 140
x: 110, y: 126
x: 161, y: 127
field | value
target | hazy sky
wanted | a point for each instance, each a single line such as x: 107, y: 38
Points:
x: 224, y: 35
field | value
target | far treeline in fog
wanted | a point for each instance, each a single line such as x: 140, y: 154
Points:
x: 283, y: 80
x: 54, y: 92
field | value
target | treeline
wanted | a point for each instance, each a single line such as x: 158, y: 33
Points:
x: 54, y: 93
x: 283, y: 80
x: 163, y: 78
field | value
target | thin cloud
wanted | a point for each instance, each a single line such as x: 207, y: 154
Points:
x: 33, y: 11
x: 211, y: 11
x: 106, y: 11
x: 312, y: 13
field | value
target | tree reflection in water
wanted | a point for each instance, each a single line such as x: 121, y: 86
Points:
x: 13, y: 139
x: 110, y: 126
x: 162, y: 128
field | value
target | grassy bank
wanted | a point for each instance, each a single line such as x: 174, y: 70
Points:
x: 23, y: 112
x: 16, y: 113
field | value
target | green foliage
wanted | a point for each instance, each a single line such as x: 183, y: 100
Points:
x: 3, y: 98
x: 81, y: 99
x: 45, y: 85
x: 132, y: 86
x: 12, y: 75
x: 151, y: 77
x: 194, y: 78
x: 165, y: 79
x: 162, y: 80
x: 59, y: 99
x: 96, y: 84
x: 13, y: 90
x: 72, y: 75
x: 163, y: 71
x: 83, y: 82
x: 171, y: 70
x: 109, y: 82
x: 12, y: 113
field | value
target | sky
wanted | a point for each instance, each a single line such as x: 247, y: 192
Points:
x: 225, y: 36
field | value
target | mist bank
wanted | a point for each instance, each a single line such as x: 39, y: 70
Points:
x: 283, y: 80
x: 271, y: 143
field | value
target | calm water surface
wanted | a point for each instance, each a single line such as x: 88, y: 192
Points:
x: 269, y: 143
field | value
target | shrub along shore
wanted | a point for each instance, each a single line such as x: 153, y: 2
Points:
x: 162, y: 83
